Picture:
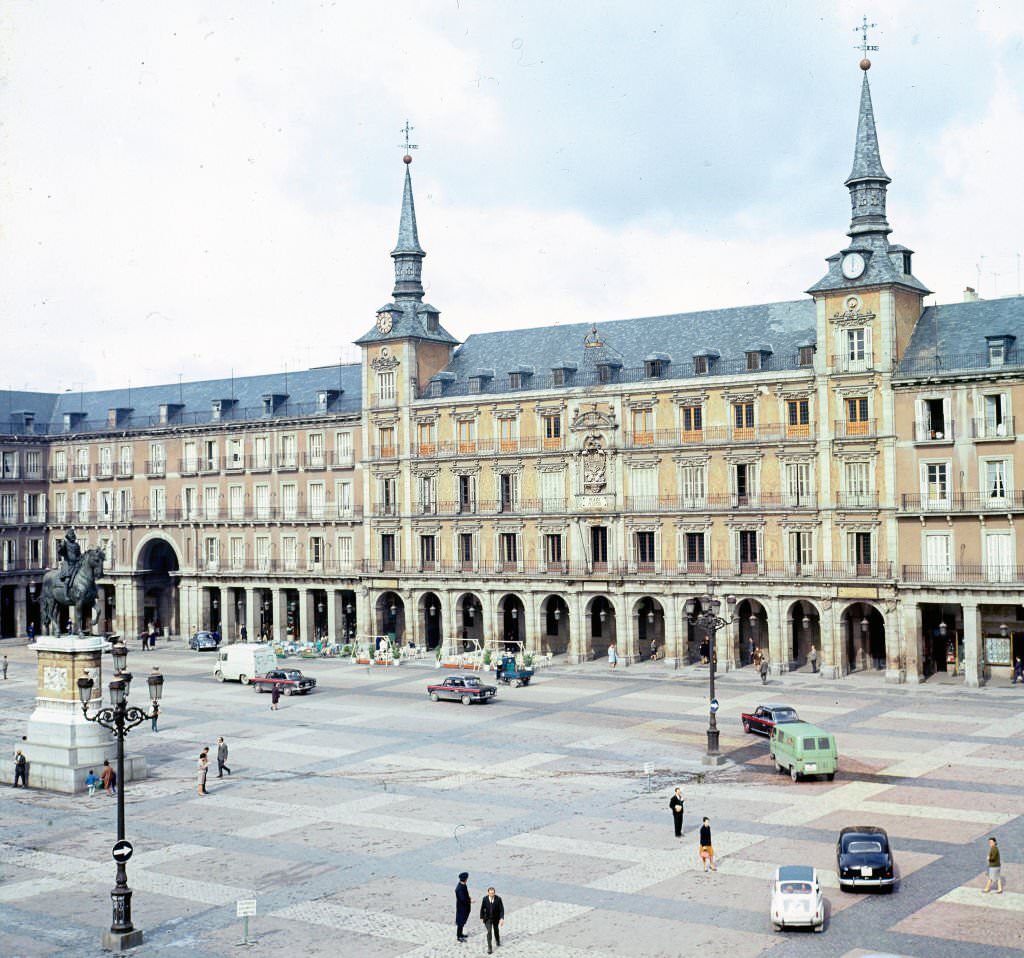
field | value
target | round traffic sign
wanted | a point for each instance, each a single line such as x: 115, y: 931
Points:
x: 122, y: 850
x: 714, y: 705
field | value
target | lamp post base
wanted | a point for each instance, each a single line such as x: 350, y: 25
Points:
x: 122, y: 941
x: 716, y: 759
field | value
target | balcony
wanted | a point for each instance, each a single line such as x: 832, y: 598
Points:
x: 720, y: 502
x: 1008, y: 500
x: 260, y: 462
x: 384, y: 452
x: 385, y: 509
x: 104, y: 470
x: 342, y: 460
x: 857, y: 500
x: 125, y: 470
x: 855, y: 428
x: 188, y: 467
x: 960, y: 574
x: 383, y: 401
x: 79, y: 471
x: 934, y: 433
x: 988, y: 429
x: 314, y: 461
x: 233, y: 463
x: 156, y: 469
x: 845, y: 363
x: 287, y: 462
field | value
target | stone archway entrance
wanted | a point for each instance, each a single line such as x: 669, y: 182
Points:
x: 649, y: 616
x: 470, y: 621
x: 752, y: 635
x: 554, y: 620
x: 601, y: 627
x: 511, y: 623
x: 864, y: 632
x: 157, y: 581
x: 391, y: 616
x: 431, y: 620
x: 804, y: 631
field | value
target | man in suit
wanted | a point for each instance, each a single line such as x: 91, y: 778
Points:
x: 463, y: 906
x: 677, y: 806
x: 492, y: 914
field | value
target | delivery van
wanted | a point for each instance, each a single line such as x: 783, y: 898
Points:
x: 240, y: 662
x: 803, y: 749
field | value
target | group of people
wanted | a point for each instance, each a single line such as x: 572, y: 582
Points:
x: 203, y: 765
x: 705, y: 849
x: 492, y: 912
x: 148, y: 636
x: 107, y: 778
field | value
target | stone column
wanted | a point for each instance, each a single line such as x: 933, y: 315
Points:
x: 673, y: 642
x: 912, y: 635
x: 974, y: 660
x: 305, y: 610
x: 281, y: 615
x: 332, y: 614
x: 252, y: 621
x: 726, y: 642
x: 579, y: 629
x: 831, y: 645
x: 21, y: 610
x: 533, y: 628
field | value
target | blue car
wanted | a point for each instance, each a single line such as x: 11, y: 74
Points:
x: 204, y: 642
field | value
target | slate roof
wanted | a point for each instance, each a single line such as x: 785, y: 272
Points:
x: 300, y: 388
x: 629, y: 341
x: 408, y: 236
x: 409, y: 320
x: 951, y: 338
x: 880, y: 269
x: 867, y: 161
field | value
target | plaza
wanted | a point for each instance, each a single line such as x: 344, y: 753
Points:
x: 350, y: 812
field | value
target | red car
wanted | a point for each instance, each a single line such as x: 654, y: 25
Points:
x: 765, y: 717
x: 289, y: 681
x: 466, y: 689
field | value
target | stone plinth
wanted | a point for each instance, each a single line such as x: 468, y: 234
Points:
x: 62, y: 745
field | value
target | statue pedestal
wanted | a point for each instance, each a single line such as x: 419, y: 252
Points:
x: 62, y: 745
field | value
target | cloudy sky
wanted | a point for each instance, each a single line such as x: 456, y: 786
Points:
x: 199, y: 187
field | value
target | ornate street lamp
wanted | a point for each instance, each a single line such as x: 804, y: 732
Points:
x: 120, y: 718
x: 711, y: 622
x: 557, y: 613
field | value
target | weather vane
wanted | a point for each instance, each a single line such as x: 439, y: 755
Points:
x: 864, y: 46
x: 407, y: 146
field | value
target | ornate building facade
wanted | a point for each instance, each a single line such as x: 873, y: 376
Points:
x: 829, y: 461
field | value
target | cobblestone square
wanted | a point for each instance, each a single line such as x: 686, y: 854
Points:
x: 350, y: 812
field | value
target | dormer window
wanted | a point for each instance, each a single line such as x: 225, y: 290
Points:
x: 557, y: 377
x: 169, y: 412
x: 700, y: 365
x: 753, y: 360
x: 806, y: 357
x: 654, y: 368
x: 562, y: 375
x: 996, y: 353
x: 906, y: 263
x: 515, y: 380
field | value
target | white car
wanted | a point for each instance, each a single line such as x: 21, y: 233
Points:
x: 796, y: 898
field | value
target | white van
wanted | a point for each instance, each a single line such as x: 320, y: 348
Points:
x: 240, y: 662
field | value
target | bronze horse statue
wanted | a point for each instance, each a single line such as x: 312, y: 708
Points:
x: 78, y: 593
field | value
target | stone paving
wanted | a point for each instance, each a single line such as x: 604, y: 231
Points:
x: 351, y: 811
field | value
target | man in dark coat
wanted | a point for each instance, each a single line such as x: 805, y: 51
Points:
x: 492, y: 914
x: 463, y: 906
x: 677, y: 805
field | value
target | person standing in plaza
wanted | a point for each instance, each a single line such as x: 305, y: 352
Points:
x: 202, y: 768
x: 812, y: 657
x: 463, y: 906
x: 91, y: 781
x: 109, y: 778
x: 5, y: 667
x: 676, y: 804
x: 613, y: 655
x: 20, y: 769
x: 1018, y: 670
x: 492, y: 914
x: 222, y: 758
x: 764, y: 670
x: 275, y: 697
x: 994, y: 865
x: 156, y: 712
x: 243, y: 633
x: 707, y: 850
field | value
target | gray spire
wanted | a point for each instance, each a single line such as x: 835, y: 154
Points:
x: 408, y: 254
x: 867, y: 163
x: 867, y: 181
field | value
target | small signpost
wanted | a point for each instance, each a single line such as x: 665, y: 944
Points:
x: 245, y: 907
x: 649, y: 771
x: 121, y: 851
x: 714, y: 706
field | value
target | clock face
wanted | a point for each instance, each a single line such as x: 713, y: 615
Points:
x: 384, y: 322
x: 853, y: 265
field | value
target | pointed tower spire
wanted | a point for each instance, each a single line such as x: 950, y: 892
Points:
x: 408, y: 254
x: 867, y: 181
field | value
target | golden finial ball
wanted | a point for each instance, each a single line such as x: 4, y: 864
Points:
x: 407, y: 159
x: 865, y: 64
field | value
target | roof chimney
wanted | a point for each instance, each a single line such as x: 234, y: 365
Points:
x: 970, y: 295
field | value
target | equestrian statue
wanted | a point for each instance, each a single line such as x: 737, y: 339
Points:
x: 72, y: 584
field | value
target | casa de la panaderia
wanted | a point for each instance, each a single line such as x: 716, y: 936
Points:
x: 842, y: 463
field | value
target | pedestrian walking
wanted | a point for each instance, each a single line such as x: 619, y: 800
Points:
x: 1018, y: 670
x: 613, y: 655
x: 994, y: 874
x: 202, y: 767
x: 492, y: 914
x: 764, y: 670
x: 812, y: 657
x: 244, y: 633
x: 222, y: 758
x: 156, y: 708
x: 676, y: 804
x: 463, y: 906
x: 20, y: 769
x: 275, y: 697
x: 109, y: 778
x: 5, y: 667
x: 707, y: 850
x: 91, y: 781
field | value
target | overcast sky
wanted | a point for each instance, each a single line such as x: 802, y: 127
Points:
x: 201, y: 187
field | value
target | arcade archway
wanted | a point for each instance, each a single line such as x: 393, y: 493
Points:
x: 156, y: 574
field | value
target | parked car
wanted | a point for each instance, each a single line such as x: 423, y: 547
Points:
x: 796, y: 898
x: 765, y: 717
x: 204, y: 642
x: 864, y: 858
x: 462, y: 688
x: 289, y: 681
x: 803, y: 749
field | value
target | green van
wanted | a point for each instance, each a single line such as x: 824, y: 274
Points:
x: 804, y: 750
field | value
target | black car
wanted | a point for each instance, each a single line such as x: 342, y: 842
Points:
x: 289, y: 681
x: 864, y: 858
x: 204, y: 642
